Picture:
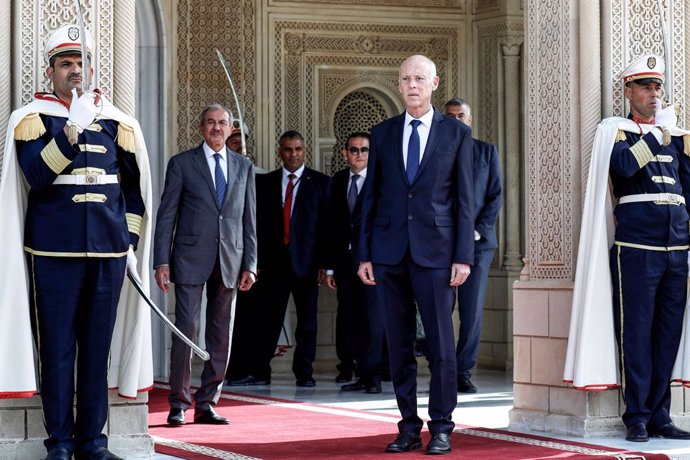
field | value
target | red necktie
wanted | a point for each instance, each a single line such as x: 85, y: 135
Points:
x: 287, y: 208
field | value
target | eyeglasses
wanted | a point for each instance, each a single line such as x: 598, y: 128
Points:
x: 358, y: 151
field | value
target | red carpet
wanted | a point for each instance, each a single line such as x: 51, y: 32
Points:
x: 272, y: 429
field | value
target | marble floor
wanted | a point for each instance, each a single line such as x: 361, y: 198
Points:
x: 488, y: 408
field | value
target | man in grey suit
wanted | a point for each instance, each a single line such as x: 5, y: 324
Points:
x: 205, y: 235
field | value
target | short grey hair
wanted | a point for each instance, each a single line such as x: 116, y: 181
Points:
x: 215, y: 106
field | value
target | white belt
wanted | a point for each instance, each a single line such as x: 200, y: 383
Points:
x: 658, y: 198
x: 85, y: 179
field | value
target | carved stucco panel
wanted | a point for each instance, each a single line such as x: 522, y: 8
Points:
x: 636, y: 30
x: 549, y: 137
x: 51, y: 15
x: 201, y: 27
x: 461, y: 5
x: 301, y: 47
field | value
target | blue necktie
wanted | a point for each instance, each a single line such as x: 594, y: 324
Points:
x: 221, y: 184
x: 352, y: 193
x: 413, y: 152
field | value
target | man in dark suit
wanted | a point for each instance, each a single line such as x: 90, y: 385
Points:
x: 358, y: 324
x: 205, y: 235
x: 416, y: 243
x: 292, y: 206
x: 487, y: 202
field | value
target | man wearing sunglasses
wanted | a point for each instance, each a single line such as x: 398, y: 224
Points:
x: 358, y: 324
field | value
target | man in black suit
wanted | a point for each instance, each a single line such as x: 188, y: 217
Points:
x: 358, y: 324
x: 416, y: 243
x: 205, y: 235
x: 487, y: 202
x: 292, y: 207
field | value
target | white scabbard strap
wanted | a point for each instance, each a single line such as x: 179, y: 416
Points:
x: 85, y: 179
x: 658, y: 198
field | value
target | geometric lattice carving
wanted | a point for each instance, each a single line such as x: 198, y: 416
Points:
x: 636, y: 30
x: 52, y: 14
x: 359, y: 112
x: 306, y: 49
x: 550, y: 244
x: 228, y: 26
x: 459, y: 4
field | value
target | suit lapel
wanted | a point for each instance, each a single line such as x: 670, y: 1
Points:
x: 397, y: 133
x: 232, y: 162
x: 437, y: 127
x: 202, y: 166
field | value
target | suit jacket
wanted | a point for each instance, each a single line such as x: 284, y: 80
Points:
x: 307, y: 224
x: 343, y: 228
x: 488, y: 195
x: 191, y: 231
x: 434, y: 215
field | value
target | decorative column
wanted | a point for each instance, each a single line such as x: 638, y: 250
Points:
x: 124, y: 51
x: 511, y: 99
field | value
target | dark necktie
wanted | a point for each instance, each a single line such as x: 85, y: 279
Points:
x: 221, y: 184
x: 352, y: 193
x: 413, y: 152
x: 287, y: 208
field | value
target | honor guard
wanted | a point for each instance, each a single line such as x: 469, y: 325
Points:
x: 650, y: 176
x: 88, y: 185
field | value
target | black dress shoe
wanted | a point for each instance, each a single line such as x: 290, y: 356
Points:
x: 99, y: 454
x: 176, y: 417
x: 405, y: 442
x: 306, y: 382
x: 210, y: 417
x: 668, y: 431
x: 356, y: 386
x: 637, y: 433
x: 438, y: 444
x: 373, y: 388
x: 343, y: 377
x: 465, y: 385
x: 59, y: 453
x: 249, y: 380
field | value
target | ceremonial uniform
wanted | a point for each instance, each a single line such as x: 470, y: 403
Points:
x: 645, y: 285
x: 649, y: 268
x: 86, y: 204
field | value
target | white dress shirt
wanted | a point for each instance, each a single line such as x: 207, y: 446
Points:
x: 295, y: 181
x: 423, y: 131
x: 208, y: 151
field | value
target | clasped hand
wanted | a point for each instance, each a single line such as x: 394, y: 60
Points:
x: 665, y: 116
x: 82, y: 110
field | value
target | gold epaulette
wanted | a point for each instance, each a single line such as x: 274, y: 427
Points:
x: 125, y: 137
x: 620, y: 135
x: 31, y: 127
x: 686, y: 144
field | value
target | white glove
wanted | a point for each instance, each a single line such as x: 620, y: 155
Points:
x: 82, y: 110
x: 132, y: 264
x: 666, y: 117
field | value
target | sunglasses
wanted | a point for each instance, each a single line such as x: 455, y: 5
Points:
x: 358, y: 151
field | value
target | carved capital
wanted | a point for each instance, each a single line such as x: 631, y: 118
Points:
x: 511, y: 48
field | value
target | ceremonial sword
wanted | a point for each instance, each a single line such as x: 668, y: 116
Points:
x: 223, y: 64
x: 134, y: 279
x: 85, y: 59
x: 668, y: 82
